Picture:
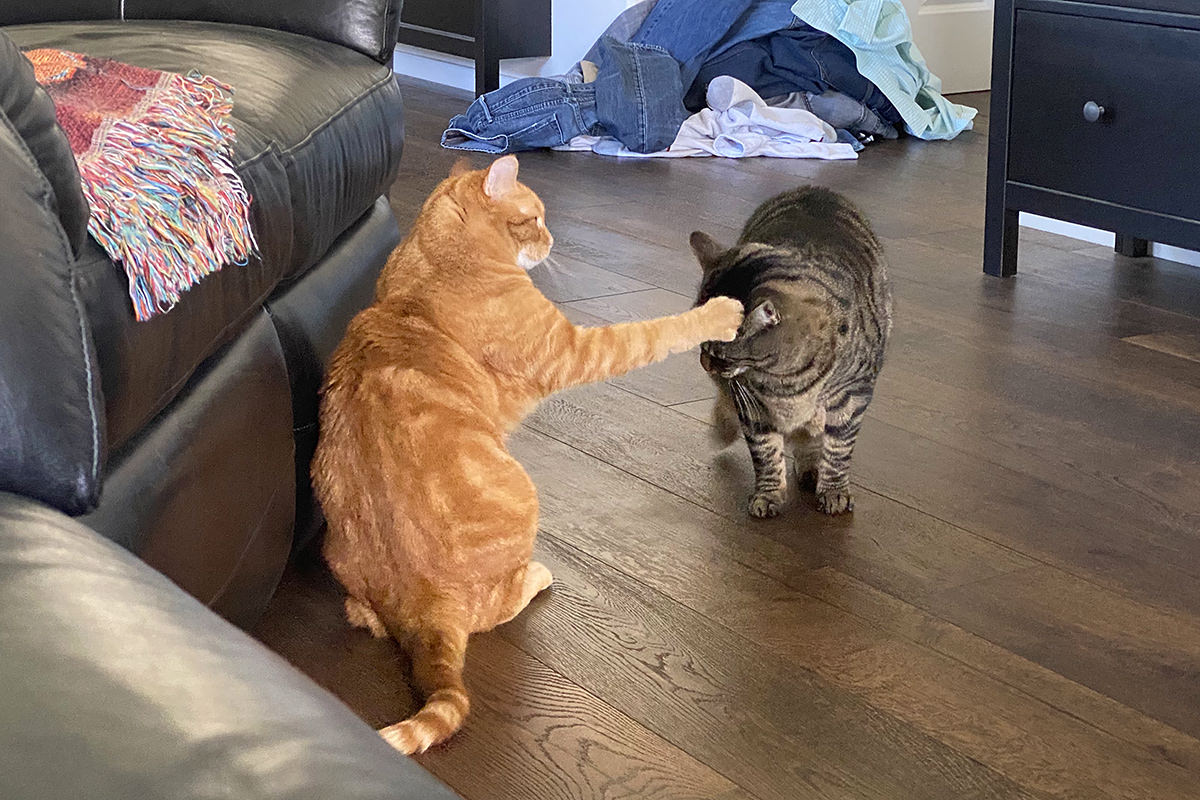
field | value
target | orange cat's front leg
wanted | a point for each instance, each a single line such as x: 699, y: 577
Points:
x: 585, y: 355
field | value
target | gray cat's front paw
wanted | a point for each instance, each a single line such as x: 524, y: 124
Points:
x: 765, y: 504
x: 835, y: 501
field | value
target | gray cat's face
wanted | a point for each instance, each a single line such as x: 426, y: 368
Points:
x: 787, y: 330
x: 784, y: 334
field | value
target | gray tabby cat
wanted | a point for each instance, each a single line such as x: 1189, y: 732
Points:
x: 802, y: 369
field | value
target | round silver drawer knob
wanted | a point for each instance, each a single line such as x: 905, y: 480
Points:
x: 1093, y: 111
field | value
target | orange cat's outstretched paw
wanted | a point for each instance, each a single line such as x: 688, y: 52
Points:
x: 723, y: 317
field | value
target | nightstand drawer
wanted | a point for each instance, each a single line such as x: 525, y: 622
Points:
x: 1108, y: 110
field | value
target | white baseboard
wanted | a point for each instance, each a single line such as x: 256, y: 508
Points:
x: 441, y: 68
x: 1106, y: 238
x: 459, y: 73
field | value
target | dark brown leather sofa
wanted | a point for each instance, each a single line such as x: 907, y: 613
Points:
x: 186, y: 439
x: 181, y: 445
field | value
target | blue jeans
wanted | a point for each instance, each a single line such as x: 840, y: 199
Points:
x: 637, y: 96
x: 641, y: 84
x: 799, y: 59
x: 693, y: 31
x: 847, y: 114
x: 525, y: 115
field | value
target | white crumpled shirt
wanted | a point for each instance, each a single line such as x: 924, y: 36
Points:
x: 737, y: 124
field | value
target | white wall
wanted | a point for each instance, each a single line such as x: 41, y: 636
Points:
x: 576, y: 24
x: 955, y: 37
x: 1105, y: 238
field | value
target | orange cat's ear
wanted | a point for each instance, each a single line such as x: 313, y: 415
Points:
x: 501, y: 177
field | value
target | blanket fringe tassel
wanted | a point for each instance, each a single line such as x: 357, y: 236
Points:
x: 164, y: 196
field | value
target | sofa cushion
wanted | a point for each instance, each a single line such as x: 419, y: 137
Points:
x: 319, y: 133
x: 58, y: 11
x: 205, y: 493
x: 31, y: 111
x: 368, y: 26
x: 118, y: 686
x: 311, y: 316
x: 51, y: 432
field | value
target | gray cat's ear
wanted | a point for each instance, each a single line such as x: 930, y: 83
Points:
x: 764, y: 315
x: 706, y: 248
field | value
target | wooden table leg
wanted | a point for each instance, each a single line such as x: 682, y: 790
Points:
x: 487, y: 64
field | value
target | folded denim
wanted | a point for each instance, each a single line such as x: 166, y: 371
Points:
x: 639, y: 95
x: 525, y: 115
x: 693, y: 31
x: 623, y: 29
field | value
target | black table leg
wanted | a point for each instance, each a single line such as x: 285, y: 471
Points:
x: 487, y: 64
x: 1132, y: 246
x: 1001, y: 232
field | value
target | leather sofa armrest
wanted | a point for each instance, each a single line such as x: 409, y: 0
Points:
x: 116, y: 684
x: 368, y: 26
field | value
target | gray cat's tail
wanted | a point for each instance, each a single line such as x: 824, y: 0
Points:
x: 437, y: 665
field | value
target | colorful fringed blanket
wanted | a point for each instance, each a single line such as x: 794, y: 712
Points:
x: 155, y: 153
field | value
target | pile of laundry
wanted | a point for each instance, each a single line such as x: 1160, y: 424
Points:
x: 733, y: 78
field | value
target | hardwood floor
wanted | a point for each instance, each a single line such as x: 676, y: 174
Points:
x: 1013, y: 611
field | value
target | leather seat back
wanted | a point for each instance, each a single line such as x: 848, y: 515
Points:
x: 52, y: 430
x: 59, y: 11
x: 368, y: 26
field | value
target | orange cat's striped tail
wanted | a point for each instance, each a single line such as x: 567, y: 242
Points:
x: 437, y: 659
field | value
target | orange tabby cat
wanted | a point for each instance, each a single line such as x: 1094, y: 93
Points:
x: 431, y: 521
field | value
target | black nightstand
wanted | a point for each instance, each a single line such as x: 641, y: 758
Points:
x: 1095, y: 119
x: 483, y: 30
